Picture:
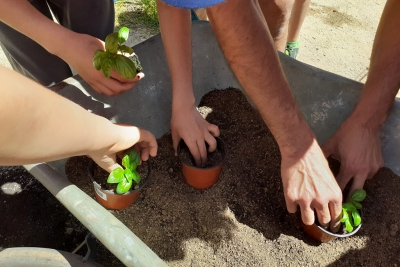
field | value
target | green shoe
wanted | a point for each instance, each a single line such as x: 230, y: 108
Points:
x: 292, y: 49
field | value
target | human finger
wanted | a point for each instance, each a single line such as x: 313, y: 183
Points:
x: 194, y: 150
x: 344, y: 176
x: 175, y: 141
x: 212, y: 143
x: 203, y: 152
x: 213, y: 129
x: 101, y: 89
x: 324, y: 215
x: 335, y: 208
x: 121, y: 79
x: 307, y: 214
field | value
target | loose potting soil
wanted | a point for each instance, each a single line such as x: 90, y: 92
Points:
x: 241, y: 221
x: 213, y: 158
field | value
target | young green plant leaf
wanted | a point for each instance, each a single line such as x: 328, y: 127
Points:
x: 128, y: 174
x: 124, y: 186
x: 356, y: 218
x: 349, y: 227
x: 125, y: 67
x: 136, y: 177
x: 125, y: 49
x: 112, y: 43
x: 356, y: 204
x: 126, y: 161
x: 106, y: 67
x: 116, y: 176
x: 345, y: 216
x: 123, y: 34
x: 358, y: 195
x: 348, y: 206
x: 98, y: 57
x: 134, y: 159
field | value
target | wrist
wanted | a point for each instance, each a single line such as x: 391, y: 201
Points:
x: 183, y: 101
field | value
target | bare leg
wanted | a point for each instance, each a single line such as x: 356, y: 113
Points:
x: 297, y: 17
x: 277, y: 14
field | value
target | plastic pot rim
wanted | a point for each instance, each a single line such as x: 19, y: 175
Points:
x: 355, y: 230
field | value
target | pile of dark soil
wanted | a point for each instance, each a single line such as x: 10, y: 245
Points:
x: 242, y: 220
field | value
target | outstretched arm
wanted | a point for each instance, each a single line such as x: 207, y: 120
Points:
x: 186, y: 121
x: 38, y: 125
x: 357, y: 143
x: 74, y: 48
x: 247, y: 44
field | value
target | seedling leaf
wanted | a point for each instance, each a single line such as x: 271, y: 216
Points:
x: 134, y: 159
x: 98, y: 58
x: 116, y: 176
x: 126, y: 49
x: 123, y: 34
x: 357, y: 205
x: 128, y: 174
x: 124, y: 186
x: 106, y: 67
x: 136, y: 177
x: 349, y: 227
x: 358, y: 195
x: 345, y: 216
x: 125, y: 67
x: 126, y: 162
x: 356, y: 218
x: 112, y: 43
x: 349, y: 206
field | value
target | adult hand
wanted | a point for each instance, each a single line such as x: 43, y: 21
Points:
x: 359, y: 151
x: 129, y: 136
x: 309, y: 183
x: 190, y: 126
x: 79, y: 56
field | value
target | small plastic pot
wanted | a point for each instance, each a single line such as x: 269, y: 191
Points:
x: 322, y: 235
x: 114, y: 201
x: 202, y: 178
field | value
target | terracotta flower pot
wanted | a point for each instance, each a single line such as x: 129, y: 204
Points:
x: 112, y: 200
x: 202, y: 178
x: 323, y: 235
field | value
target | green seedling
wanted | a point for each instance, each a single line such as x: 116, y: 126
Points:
x: 350, y: 215
x: 125, y: 177
x: 117, y: 56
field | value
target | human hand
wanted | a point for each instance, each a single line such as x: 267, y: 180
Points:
x: 309, y: 183
x: 359, y: 151
x: 190, y: 126
x: 143, y: 140
x: 79, y: 56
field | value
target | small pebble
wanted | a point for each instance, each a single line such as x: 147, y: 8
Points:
x: 69, y: 231
x: 171, y: 170
x: 164, y: 212
x: 204, y: 228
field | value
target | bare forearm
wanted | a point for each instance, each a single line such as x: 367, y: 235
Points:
x: 23, y: 17
x: 248, y: 46
x: 383, y: 80
x: 175, y: 28
x: 39, y: 125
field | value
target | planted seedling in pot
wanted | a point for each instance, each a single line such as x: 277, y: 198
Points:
x: 120, y: 188
x: 351, y: 219
x: 125, y: 177
x: 350, y: 214
x: 117, y: 56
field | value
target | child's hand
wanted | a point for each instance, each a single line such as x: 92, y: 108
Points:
x: 129, y: 136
